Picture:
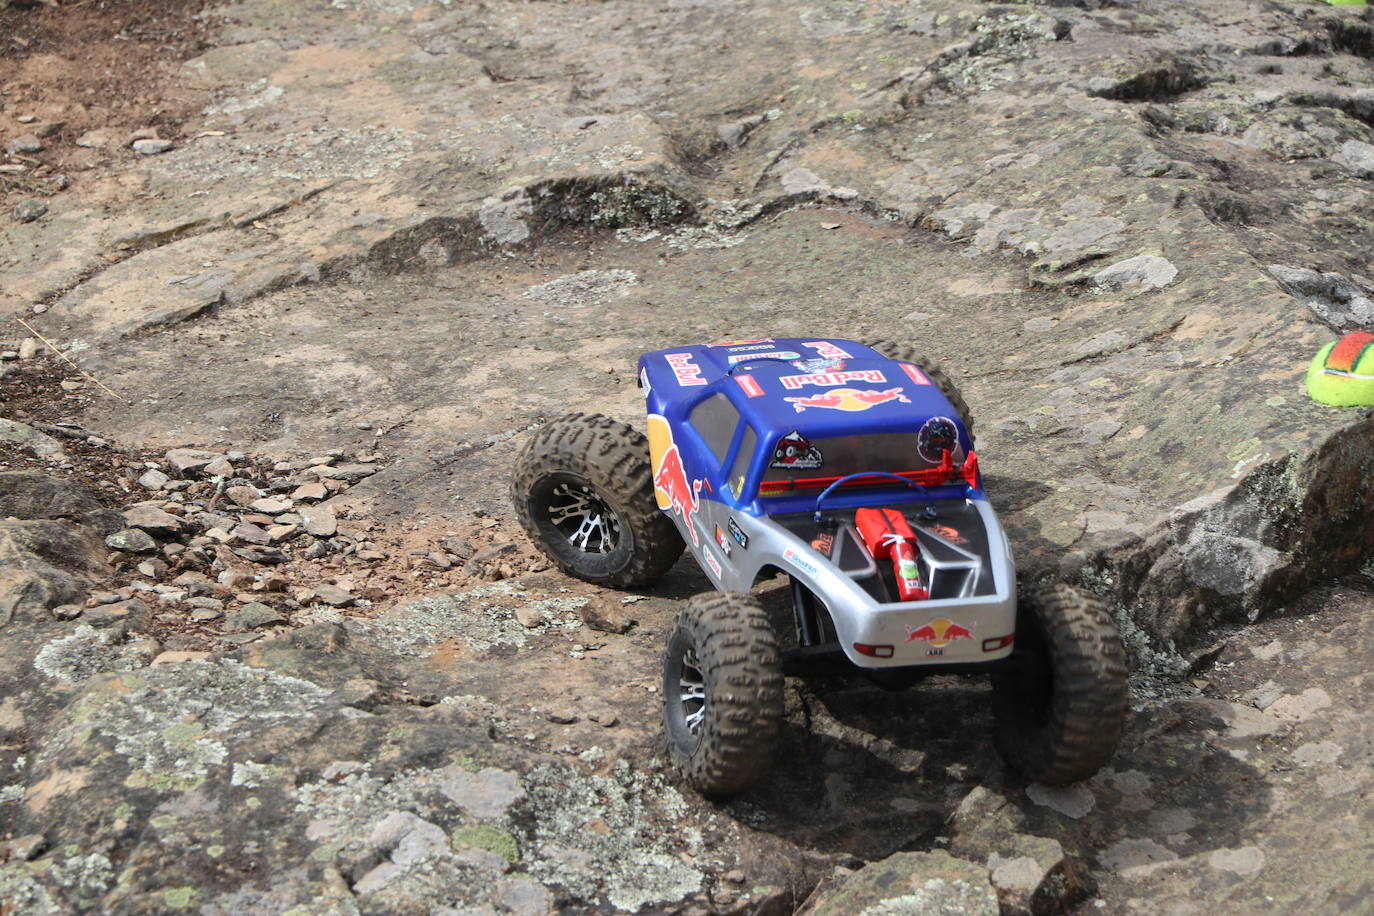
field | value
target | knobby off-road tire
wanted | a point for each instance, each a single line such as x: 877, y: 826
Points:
x: 1061, y: 709
x: 722, y: 692
x: 584, y: 493
x: 908, y: 354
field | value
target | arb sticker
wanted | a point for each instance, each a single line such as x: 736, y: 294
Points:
x: 850, y: 399
x: 794, y: 452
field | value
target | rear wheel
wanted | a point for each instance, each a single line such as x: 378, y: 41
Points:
x: 908, y: 354
x: 722, y: 692
x: 1060, y: 706
x: 583, y: 492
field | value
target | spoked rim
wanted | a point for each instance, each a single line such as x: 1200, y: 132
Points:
x: 692, y: 691
x: 582, y: 516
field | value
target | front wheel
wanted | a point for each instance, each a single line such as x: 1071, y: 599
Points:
x: 584, y: 494
x: 1060, y: 706
x: 722, y: 692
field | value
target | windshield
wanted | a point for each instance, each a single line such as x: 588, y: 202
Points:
x: 796, y: 459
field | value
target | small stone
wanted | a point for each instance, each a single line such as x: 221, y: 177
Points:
x: 24, y: 143
x: 27, y: 211
x: 351, y: 473
x: 205, y: 615
x: 317, y: 550
x: 1357, y: 156
x: 1144, y: 272
x: 735, y: 876
x: 190, y: 459
x: 235, y: 579
x: 561, y: 716
x: 204, y: 602
x: 131, y: 540
x: 282, y: 532
x: 68, y: 611
x: 530, y: 617
x: 319, y: 520
x: 310, y: 491
x: 370, y: 554
x: 49, y: 129
x: 243, y: 495
x: 252, y: 533
x: 28, y: 348
x: 177, y: 657
x: 220, y: 466
x: 607, y: 615
x: 269, y: 555
x: 152, y: 147
x: 153, y: 569
x: 132, y: 612
x: 254, y: 616
x: 333, y: 595
x: 152, y: 519
x: 95, y: 139
x: 24, y: 848
x: 270, y: 505
x: 604, y: 719
x: 153, y: 480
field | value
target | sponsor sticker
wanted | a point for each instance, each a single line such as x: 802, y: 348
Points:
x: 824, y: 543
x: 948, y: 533
x: 825, y: 379
x: 711, y: 561
x: 772, y: 354
x: 750, y: 385
x: 937, y: 436
x: 723, y: 541
x: 738, y: 534
x: 940, y: 632
x: 848, y: 399
x: 684, y: 370
x: 916, y: 375
x: 644, y: 382
x: 827, y: 349
x: 740, y: 343
x: 794, y: 452
x: 745, y: 348
x: 801, y: 562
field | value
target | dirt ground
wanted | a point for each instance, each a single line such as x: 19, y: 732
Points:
x: 67, y: 68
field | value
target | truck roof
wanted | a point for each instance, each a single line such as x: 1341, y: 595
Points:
x: 817, y: 386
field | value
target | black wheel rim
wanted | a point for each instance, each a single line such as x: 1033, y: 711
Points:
x: 579, y: 513
x: 692, y: 692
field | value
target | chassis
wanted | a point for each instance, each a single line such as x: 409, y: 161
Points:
x: 850, y: 468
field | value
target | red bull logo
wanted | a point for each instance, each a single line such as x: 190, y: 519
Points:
x: 827, y: 349
x: 850, y: 399
x: 684, y: 370
x: 823, y: 379
x: 940, y: 632
x: 673, y: 491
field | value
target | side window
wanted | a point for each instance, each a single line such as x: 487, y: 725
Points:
x: 741, y: 466
x: 715, y: 420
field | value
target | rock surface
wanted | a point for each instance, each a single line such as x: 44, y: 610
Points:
x: 480, y: 227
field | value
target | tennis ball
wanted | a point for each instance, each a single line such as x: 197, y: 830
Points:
x: 1342, y: 373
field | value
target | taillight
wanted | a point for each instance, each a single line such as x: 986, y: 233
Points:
x: 875, y: 651
x: 1001, y: 642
